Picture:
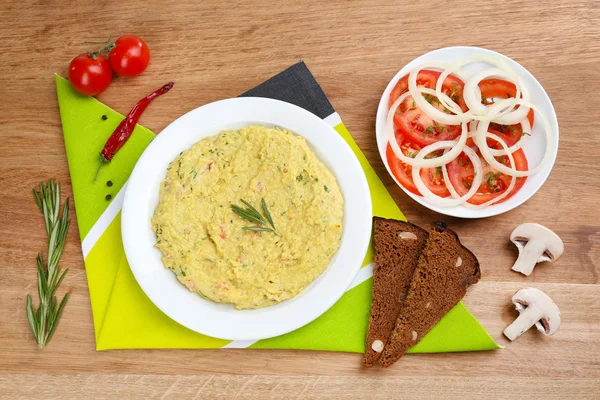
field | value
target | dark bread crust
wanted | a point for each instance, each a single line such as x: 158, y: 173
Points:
x: 438, y: 284
x: 393, y: 269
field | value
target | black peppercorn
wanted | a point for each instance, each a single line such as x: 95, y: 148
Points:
x: 108, y: 197
x: 104, y: 117
x: 109, y: 183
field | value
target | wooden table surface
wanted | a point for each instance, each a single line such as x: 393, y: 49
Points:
x: 218, y: 49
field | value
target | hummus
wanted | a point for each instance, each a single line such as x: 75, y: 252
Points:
x: 202, y: 240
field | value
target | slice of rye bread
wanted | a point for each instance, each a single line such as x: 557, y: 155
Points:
x: 443, y: 272
x: 398, y: 245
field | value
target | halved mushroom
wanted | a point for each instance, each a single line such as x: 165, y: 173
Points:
x: 536, y: 243
x: 535, y: 308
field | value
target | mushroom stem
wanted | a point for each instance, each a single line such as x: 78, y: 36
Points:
x: 529, y: 256
x: 535, y: 308
x: 524, y: 321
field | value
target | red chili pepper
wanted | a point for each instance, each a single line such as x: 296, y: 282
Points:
x: 125, y: 128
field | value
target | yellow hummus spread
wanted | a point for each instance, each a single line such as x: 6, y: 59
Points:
x: 202, y: 240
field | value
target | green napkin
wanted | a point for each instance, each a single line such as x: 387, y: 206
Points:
x: 123, y: 315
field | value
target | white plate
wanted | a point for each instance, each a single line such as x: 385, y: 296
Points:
x: 223, y: 320
x: 533, y: 149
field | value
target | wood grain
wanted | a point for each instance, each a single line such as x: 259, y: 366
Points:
x: 214, y: 50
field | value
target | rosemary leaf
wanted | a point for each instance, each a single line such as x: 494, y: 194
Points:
x: 257, y: 228
x: 38, y: 200
x: 59, y: 281
x: 51, y: 311
x: 57, y: 317
x: 31, y: 316
x: 46, y: 211
x: 267, y: 213
x: 254, y: 210
x: 42, y: 283
x: 38, y: 313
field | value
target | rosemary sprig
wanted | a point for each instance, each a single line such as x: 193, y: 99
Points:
x: 44, y: 320
x: 251, y: 214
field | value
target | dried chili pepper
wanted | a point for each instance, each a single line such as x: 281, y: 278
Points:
x: 125, y: 128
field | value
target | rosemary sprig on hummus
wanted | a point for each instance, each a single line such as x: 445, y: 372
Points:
x: 44, y: 320
x: 251, y: 214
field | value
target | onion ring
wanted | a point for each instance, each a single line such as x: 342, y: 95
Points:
x: 511, y: 186
x: 439, y: 116
x: 481, y: 142
x: 420, y: 161
x: 472, y: 96
x: 502, y: 152
x: 453, y: 69
x: 441, y: 201
x: 473, y: 126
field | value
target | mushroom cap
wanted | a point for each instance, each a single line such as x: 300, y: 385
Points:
x: 532, y: 231
x: 547, y: 309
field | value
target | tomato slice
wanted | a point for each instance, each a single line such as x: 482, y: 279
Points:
x: 461, y: 174
x: 432, y: 177
x: 402, y: 172
x: 411, y: 120
x: 434, y: 180
x: 500, y: 89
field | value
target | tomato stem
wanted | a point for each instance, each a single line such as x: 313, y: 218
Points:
x: 104, y: 42
x: 108, y: 46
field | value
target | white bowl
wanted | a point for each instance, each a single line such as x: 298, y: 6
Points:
x: 223, y: 320
x: 534, y: 148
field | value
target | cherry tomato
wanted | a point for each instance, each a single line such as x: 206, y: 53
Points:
x: 461, y: 174
x: 90, y: 76
x: 417, y: 125
x: 130, y: 56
